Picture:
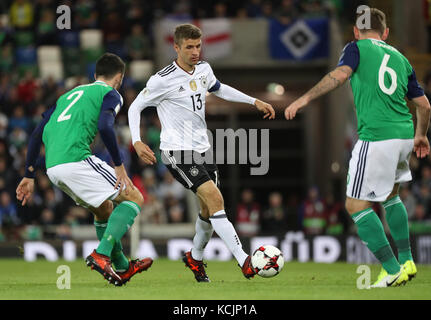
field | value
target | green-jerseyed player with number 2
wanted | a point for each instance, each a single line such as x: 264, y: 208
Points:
x: 67, y: 130
x: 381, y: 77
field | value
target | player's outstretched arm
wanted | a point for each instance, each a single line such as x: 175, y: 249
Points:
x: 25, y: 188
x: 231, y: 94
x: 421, y: 143
x: 134, y: 114
x: 331, y: 81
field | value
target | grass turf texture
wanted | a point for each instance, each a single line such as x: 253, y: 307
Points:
x: 170, y: 280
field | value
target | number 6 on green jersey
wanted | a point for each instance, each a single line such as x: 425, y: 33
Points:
x: 382, y: 71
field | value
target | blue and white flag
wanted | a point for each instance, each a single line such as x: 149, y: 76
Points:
x: 301, y: 40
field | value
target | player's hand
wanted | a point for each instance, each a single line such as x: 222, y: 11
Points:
x: 25, y: 190
x: 266, y: 108
x: 292, y: 110
x: 421, y: 146
x: 145, y: 153
x: 123, y: 180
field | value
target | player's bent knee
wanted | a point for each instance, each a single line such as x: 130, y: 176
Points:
x: 103, y: 212
x: 136, y: 197
x: 133, y: 195
x: 354, y: 205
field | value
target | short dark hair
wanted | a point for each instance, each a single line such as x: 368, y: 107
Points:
x: 378, y: 21
x: 108, y: 65
x: 186, y: 31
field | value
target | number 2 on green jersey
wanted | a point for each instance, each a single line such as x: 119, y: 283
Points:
x: 63, y: 116
x: 383, y: 70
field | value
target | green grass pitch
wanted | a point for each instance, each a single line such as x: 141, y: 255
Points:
x: 170, y: 280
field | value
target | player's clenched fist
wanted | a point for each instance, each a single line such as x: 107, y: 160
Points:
x: 145, y: 153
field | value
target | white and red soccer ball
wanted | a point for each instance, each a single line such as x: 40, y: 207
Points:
x: 267, y: 261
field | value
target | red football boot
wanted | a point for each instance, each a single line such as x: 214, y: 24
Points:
x: 135, y: 266
x: 196, y: 266
x: 247, y: 268
x: 103, y: 265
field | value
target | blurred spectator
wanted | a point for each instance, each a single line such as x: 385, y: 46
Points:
x: 6, y: 58
x: 113, y: 28
x: 85, y: 14
x: 137, y: 44
x: 46, y: 32
x: 8, y: 216
x: 248, y: 215
x: 335, y: 216
x: 420, y: 223
x: 312, y: 213
x: 153, y: 211
x: 21, y: 14
x: 19, y: 120
x: 150, y: 181
x: 170, y: 187
x: 175, y: 212
x: 47, y: 221
x: 7, y: 177
x: 220, y: 10
x: 287, y: 12
x: 274, y: 219
x: 409, y: 200
x: 267, y: 9
x: 27, y: 88
x: 17, y: 139
x: 254, y: 8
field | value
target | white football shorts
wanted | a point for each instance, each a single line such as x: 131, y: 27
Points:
x: 88, y: 182
x: 376, y: 166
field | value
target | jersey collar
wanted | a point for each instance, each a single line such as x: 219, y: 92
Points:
x: 190, y: 74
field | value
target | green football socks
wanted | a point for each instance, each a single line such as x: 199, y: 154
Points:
x: 371, y: 232
x: 118, y: 258
x: 397, y: 218
x: 119, y: 222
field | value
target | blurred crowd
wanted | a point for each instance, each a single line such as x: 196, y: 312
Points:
x: 127, y: 31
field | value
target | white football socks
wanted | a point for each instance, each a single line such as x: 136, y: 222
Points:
x: 204, y: 232
x: 227, y: 233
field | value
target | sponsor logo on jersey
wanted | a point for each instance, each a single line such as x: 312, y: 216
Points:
x: 193, y: 85
x: 181, y: 89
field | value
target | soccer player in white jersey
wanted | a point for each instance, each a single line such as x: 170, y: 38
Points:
x: 178, y: 92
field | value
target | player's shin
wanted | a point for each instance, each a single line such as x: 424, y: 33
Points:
x: 204, y: 232
x: 397, y: 218
x: 371, y: 232
x: 119, y: 222
x: 118, y: 258
x: 227, y: 233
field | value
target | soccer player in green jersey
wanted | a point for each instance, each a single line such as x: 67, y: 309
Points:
x: 67, y: 130
x: 381, y: 77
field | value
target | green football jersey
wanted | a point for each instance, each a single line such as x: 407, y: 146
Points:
x: 380, y: 84
x: 73, y: 125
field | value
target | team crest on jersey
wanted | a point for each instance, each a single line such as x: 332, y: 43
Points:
x: 204, y: 81
x: 193, y: 85
x: 194, y: 171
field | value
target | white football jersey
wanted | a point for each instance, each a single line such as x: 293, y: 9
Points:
x: 179, y: 97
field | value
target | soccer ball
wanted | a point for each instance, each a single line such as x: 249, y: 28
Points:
x: 267, y: 261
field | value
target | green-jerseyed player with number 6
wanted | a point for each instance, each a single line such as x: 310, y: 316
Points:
x: 67, y: 130
x: 381, y: 77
